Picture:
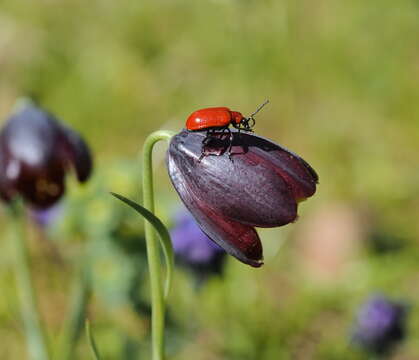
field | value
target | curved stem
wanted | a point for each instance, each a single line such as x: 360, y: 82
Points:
x: 35, y: 335
x: 153, y: 256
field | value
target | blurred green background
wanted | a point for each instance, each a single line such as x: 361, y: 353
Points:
x: 343, y: 84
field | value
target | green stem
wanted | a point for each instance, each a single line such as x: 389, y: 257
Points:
x: 75, y: 321
x: 92, y: 342
x: 35, y: 335
x: 153, y: 256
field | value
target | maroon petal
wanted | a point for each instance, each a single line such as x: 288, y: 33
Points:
x: 246, y: 189
x: 298, y: 174
x: 237, y: 239
x: 78, y: 153
x: 42, y: 187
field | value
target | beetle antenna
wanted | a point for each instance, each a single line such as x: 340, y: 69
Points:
x: 259, y: 108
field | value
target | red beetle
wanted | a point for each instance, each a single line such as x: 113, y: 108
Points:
x: 220, y: 118
x: 216, y: 117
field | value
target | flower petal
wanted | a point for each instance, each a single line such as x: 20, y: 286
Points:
x: 41, y: 187
x: 298, y: 174
x: 78, y: 153
x: 237, y: 239
x: 30, y: 136
x: 246, y: 189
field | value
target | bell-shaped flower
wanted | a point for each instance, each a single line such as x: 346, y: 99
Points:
x: 230, y: 191
x: 36, y: 151
x: 380, y: 325
x: 193, y: 249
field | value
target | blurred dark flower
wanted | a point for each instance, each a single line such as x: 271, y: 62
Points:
x: 35, y: 153
x: 259, y: 187
x: 380, y: 325
x: 193, y: 248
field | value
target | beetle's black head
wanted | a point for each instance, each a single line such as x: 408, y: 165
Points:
x: 248, y: 123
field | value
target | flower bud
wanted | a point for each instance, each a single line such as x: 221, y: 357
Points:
x: 259, y: 185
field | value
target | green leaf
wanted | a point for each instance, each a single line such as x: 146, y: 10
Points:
x: 163, y: 236
x: 92, y: 341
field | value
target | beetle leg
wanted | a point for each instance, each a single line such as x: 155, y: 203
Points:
x: 230, y: 146
x: 202, y: 156
x: 206, y: 138
x: 228, y: 132
x: 211, y: 133
x: 204, y: 143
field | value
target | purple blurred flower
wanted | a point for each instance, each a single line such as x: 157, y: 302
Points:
x: 193, y: 248
x: 381, y: 324
x: 46, y: 217
x: 35, y: 153
x: 259, y: 187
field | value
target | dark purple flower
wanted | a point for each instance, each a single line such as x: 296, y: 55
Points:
x: 380, y: 325
x: 260, y: 186
x: 193, y: 248
x: 35, y: 153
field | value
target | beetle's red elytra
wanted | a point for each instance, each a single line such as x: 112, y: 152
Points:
x: 214, y: 117
x: 220, y: 117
